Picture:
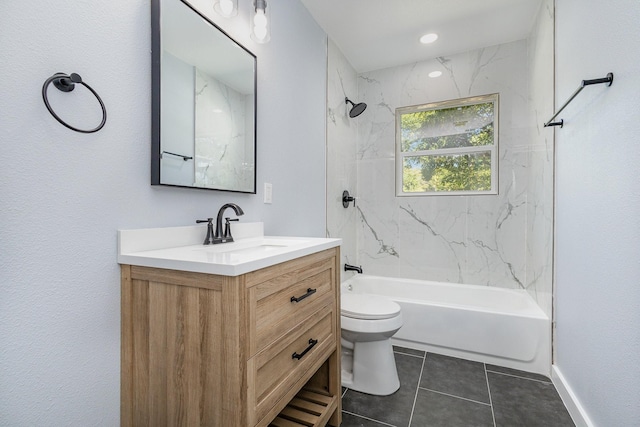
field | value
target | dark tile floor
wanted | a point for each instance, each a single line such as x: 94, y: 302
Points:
x: 437, y: 390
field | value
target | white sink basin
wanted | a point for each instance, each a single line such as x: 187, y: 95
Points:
x: 251, y: 246
x: 181, y: 248
x: 256, y: 249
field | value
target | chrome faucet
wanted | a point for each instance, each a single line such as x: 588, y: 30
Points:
x: 218, y: 236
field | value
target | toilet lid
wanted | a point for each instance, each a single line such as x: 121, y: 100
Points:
x: 367, y: 307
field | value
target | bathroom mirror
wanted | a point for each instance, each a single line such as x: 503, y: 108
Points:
x: 203, y: 103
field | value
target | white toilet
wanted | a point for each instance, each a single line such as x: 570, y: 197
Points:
x: 368, y: 322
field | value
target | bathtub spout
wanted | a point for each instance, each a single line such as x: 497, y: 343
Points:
x: 348, y: 267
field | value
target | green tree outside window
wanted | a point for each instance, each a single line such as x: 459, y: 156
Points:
x: 448, y: 147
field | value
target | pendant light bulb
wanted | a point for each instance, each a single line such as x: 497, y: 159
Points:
x: 260, y: 31
x: 260, y: 20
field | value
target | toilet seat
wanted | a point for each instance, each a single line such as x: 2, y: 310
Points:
x: 368, y: 307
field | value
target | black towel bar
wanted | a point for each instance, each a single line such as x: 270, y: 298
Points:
x: 608, y: 80
x: 185, y: 158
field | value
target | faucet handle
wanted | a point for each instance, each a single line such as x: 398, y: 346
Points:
x: 209, y: 239
x: 227, y: 228
x: 347, y: 198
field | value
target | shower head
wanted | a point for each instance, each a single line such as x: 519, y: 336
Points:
x: 357, y: 109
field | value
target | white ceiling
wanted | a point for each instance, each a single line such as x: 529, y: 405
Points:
x: 376, y: 34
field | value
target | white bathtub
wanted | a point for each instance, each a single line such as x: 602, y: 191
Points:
x: 503, y: 327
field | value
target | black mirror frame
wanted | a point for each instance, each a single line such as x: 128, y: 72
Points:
x: 156, y: 56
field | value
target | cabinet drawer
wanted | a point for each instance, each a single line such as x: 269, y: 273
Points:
x: 279, y: 304
x: 273, y: 371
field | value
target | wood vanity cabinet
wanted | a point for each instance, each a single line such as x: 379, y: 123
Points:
x: 257, y: 349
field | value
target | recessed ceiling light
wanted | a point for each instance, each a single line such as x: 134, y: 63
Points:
x: 435, y: 74
x: 429, y: 38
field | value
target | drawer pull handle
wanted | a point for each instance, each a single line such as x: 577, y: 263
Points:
x: 312, y: 342
x: 309, y: 293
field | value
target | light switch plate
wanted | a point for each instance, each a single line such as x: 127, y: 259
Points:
x: 268, y: 192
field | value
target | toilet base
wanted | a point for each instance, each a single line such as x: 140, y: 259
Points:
x: 370, y: 368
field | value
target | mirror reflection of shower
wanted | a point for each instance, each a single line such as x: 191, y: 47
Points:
x: 356, y: 109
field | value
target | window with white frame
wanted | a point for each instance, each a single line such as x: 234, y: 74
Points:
x: 448, y: 147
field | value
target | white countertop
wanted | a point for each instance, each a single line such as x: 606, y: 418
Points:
x: 181, y: 248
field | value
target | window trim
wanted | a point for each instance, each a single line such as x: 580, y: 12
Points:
x: 493, y: 149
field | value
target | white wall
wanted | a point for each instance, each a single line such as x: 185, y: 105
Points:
x: 65, y: 194
x: 598, y: 209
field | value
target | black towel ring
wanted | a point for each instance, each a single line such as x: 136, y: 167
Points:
x: 66, y: 83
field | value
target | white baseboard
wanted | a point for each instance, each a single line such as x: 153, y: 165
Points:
x: 577, y: 412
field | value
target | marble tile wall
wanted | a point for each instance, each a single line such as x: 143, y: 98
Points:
x: 223, y: 150
x: 341, y: 154
x: 464, y: 239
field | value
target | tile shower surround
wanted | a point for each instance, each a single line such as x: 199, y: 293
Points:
x: 439, y: 390
x: 502, y: 240
x: 463, y: 239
